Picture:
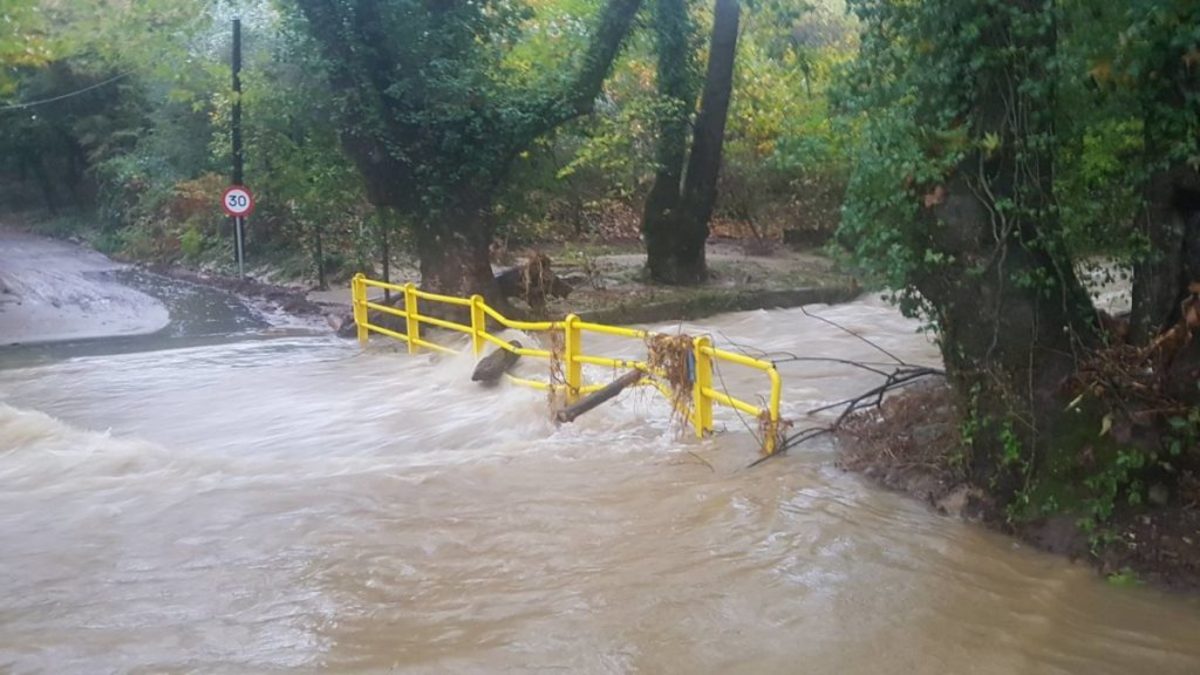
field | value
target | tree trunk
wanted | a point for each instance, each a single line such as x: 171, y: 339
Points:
x: 1012, y: 312
x: 320, y: 255
x: 676, y: 89
x: 455, y: 255
x: 1169, y: 221
x: 704, y: 165
x: 659, y: 225
x: 676, y: 217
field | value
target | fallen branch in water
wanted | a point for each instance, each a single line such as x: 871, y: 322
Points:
x: 872, y: 398
x: 901, y: 375
x: 842, y: 328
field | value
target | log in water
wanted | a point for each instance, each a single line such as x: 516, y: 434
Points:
x: 596, y: 398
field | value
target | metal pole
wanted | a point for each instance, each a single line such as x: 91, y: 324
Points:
x: 387, y: 257
x: 236, y: 125
x: 241, y: 263
x: 237, y: 102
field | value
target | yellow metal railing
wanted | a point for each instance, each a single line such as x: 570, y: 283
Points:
x: 703, y: 394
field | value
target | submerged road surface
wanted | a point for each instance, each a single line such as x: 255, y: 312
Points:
x: 298, y: 503
x: 52, y: 290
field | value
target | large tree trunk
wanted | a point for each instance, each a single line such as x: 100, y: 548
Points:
x: 1009, y: 348
x: 1011, y: 310
x: 455, y: 254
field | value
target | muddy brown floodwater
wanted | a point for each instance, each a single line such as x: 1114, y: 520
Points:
x: 299, y: 503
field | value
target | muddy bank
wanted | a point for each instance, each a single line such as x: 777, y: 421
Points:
x: 289, y: 299
x: 702, y: 302
x: 608, y: 285
x: 912, y: 444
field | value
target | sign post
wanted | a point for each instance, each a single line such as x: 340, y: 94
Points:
x: 238, y: 202
x: 244, y: 197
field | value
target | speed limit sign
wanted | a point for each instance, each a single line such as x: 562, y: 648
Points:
x: 238, y: 201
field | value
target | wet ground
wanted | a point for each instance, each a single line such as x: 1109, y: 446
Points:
x: 52, y: 290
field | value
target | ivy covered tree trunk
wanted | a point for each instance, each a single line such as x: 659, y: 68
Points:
x: 978, y: 242
x: 662, y: 218
x: 679, y: 207
x: 1012, y: 321
x: 1170, y: 221
x: 1016, y: 316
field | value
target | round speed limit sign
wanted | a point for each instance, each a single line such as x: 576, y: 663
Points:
x: 238, y: 201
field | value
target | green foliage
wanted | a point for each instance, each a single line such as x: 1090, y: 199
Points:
x: 192, y: 243
x: 434, y: 90
x: 22, y: 41
x: 1106, y: 485
x: 785, y: 157
x: 914, y: 93
x: 1155, y: 63
x: 1125, y: 578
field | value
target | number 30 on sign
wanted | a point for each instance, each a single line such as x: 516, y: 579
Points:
x: 238, y: 201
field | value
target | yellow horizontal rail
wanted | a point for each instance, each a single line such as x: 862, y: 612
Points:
x: 702, y: 356
x: 611, y: 363
x: 448, y: 325
x: 387, y: 309
x: 726, y: 399
x: 522, y: 325
x: 382, y: 284
x: 448, y: 299
x: 619, y: 331
x: 385, y: 331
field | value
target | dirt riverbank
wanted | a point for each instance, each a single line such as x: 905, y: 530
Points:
x: 608, y: 284
x: 912, y: 444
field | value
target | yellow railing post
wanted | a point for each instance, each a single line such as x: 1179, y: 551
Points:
x: 702, y: 404
x: 573, y: 348
x: 413, y: 326
x: 769, y: 443
x: 358, y: 297
x: 478, y: 324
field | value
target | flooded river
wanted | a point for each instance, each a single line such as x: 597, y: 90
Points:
x: 298, y: 503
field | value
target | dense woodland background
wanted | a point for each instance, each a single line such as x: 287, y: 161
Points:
x: 135, y: 164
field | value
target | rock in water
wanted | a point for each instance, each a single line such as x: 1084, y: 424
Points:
x: 494, y: 365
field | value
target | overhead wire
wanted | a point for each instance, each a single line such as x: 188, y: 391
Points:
x: 46, y: 101
x: 187, y: 28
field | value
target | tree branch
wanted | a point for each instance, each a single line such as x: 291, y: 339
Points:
x: 578, y: 97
